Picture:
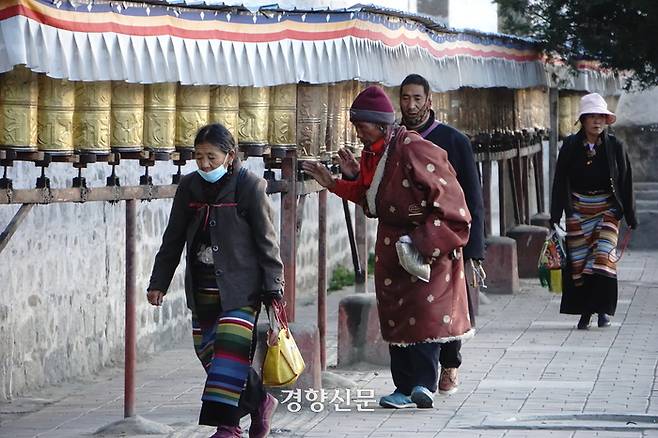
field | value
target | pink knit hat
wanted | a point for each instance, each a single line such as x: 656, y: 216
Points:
x: 372, y: 105
x: 595, y: 104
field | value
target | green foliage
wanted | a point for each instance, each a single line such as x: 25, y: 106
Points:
x: 621, y: 35
x: 340, y: 278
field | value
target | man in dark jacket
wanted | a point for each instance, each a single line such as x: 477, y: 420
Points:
x: 417, y: 115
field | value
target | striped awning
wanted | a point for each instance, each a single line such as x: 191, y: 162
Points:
x: 149, y: 43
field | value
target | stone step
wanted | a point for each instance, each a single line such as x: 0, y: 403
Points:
x: 646, y: 205
x: 645, y: 186
x: 646, y: 195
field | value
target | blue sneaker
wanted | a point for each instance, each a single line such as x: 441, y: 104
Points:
x: 423, y: 397
x: 396, y: 400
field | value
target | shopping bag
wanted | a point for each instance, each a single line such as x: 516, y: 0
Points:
x: 550, y: 263
x: 283, y: 362
x: 555, y: 283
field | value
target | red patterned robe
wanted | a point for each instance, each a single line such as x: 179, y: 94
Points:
x: 415, y: 192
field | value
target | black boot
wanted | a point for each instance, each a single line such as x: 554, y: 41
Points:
x: 604, y: 320
x: 583, y: 323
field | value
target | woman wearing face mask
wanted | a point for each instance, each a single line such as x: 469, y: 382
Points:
x: 222, y: 214
x: 593, y: 186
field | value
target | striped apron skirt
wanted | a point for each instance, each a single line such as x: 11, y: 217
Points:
x: 592, y: 233
x: 223, y: 342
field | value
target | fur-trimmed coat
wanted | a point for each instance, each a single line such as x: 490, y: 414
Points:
x: 415, y: 192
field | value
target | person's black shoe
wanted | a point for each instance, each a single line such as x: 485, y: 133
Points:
x: 604, y: 320
x: 583, y: 323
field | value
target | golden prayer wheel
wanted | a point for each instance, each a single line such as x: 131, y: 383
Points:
x: 192, y: 111
x: 564, y: 116
x: 518, y: 108
x: 441, y: 105
x: 127, y: 117
x: 346, y: 101
x: 160, y: 116
x: 393, y: 93
x: 19, y: 97
x: 528, y: 109
x: 283, y: 116
x: 357, y: 146
x: 312, y: 110
x: 252, y: 115
x: 335, y: 137
x: 454, y: 102
x: 487, y: 122
x: 91, y: 120
x: 507, y: 107
x: 224, y: 106
x: 534, y: 107
x: 471, y: 109
x: 541, y: 105
x: 575, y: 109
x: 497, y: 116
x: 55, y: 115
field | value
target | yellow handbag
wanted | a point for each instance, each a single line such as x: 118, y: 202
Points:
x: 283, y: 362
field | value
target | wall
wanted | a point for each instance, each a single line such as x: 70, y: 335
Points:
x: 62, y: 278
x: 637, y: 127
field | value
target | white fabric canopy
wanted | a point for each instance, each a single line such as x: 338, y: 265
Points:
x: 370, y: 49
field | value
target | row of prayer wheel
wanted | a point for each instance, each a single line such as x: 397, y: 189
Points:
x: 62, y: 117
x: 474, y: 110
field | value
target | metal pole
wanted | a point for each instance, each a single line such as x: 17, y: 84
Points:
x: 289, y: 230
x: 502, y: 196
x: 358, y: 272
x: 322, y: 276
x: 516, y: 195
x: 361, y: 237
x: 486, y: 195
x: 131, y: 314
x: 525, y: 179
x: 553, y: 135
x: 538, y: 165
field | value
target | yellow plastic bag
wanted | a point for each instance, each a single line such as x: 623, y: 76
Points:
x: 283, y: 362
x: 555, y: 282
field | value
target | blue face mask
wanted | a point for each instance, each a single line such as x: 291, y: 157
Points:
x: 214, y: 175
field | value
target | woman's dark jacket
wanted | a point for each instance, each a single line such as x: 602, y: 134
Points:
x: 244, y: 242
x: 621, y: 177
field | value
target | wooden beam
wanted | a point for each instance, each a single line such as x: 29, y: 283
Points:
x: 508, y: 154
x: 142, y: 192
x: 81, y: 194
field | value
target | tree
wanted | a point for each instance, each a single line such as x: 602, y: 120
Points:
x: 621, y: 35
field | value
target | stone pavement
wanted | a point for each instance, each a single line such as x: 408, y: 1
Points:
x: 526, y: 373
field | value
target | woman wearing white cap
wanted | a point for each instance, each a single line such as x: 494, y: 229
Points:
x: 593, y: 186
